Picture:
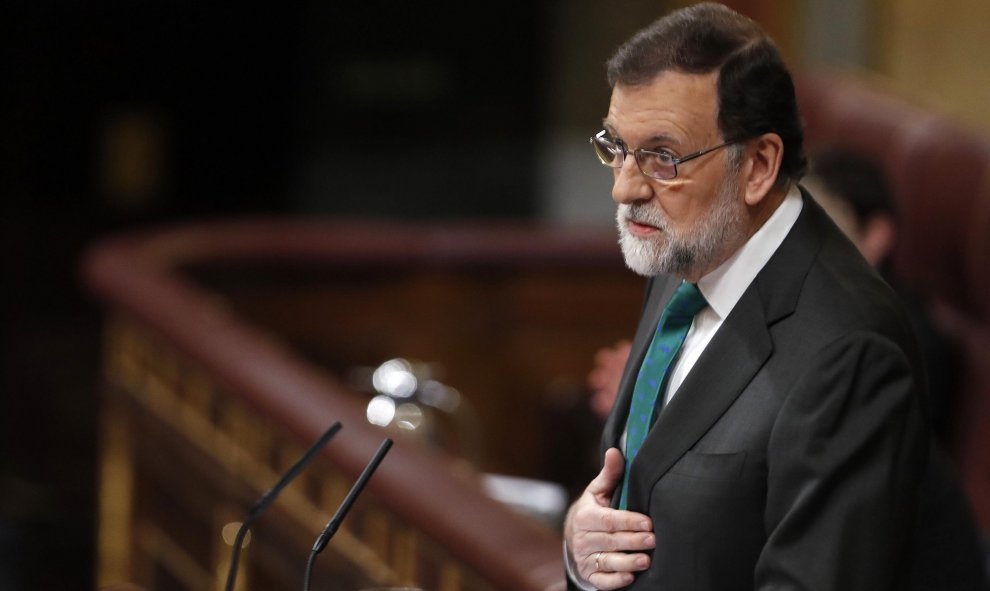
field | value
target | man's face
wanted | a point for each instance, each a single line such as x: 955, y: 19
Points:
x: 690, y: 224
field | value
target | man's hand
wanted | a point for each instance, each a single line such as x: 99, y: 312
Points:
x: 605, y: 543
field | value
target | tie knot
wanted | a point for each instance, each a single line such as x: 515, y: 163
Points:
x: 687, y: 301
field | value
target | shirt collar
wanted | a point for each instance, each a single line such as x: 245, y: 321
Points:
x: 724, y: 286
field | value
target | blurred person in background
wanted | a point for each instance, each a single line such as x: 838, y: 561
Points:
x: 855, y: 192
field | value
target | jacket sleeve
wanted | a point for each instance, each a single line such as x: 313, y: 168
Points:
x: 845, y: 460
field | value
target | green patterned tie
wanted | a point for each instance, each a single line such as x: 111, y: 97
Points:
x: 653, y: 373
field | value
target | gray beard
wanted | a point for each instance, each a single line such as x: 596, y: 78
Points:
x: 683, y: 254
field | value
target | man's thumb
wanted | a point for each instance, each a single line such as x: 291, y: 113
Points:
x: 613, y: 468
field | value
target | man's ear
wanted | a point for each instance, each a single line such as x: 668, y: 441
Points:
x: 763, y: 157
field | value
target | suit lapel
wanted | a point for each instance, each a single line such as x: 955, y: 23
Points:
x: 733, y: 356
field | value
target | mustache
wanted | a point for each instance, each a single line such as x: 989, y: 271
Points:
x: 642, y: 213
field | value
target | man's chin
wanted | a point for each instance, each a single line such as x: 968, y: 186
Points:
x: 649, y: 259
x: 641, y: 256
x: 642, y: 270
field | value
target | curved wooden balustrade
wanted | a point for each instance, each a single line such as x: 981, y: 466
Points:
x: 204, y: 409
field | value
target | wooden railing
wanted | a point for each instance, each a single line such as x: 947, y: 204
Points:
x: 225, y: 345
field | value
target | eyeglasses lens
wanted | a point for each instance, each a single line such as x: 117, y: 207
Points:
x: 608, y: 152
x: 657, y: 166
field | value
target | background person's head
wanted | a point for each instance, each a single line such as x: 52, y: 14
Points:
x: 853, y: 189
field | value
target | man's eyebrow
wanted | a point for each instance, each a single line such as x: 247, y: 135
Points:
x: 664, y: 138
x: 660, y: 138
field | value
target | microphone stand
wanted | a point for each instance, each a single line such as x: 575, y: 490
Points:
x: 267, y: 498
x: 335, y: 521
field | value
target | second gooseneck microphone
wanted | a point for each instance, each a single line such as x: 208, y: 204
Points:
x: 338, y: 517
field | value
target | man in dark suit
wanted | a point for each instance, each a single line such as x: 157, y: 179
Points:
x: 788, y: 436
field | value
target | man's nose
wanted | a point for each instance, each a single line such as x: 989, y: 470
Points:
x: 630, y: 183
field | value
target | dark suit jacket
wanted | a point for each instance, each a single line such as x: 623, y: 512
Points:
x: 791, y: 455
x: 948, y: 553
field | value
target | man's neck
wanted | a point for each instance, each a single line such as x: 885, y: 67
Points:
x: 756, y: 216
x: 761, y: 212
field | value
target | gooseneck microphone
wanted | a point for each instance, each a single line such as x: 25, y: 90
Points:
x: 335, y: 521
x: 267, y: 498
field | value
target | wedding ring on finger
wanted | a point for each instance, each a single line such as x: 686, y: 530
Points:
x: 598, y: 561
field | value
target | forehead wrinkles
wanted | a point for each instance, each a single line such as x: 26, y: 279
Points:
x: 681, y: 106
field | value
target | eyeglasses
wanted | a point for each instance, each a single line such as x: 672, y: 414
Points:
x: 658, y: 165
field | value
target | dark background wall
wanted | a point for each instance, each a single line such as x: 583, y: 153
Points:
x: 118, y: 115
